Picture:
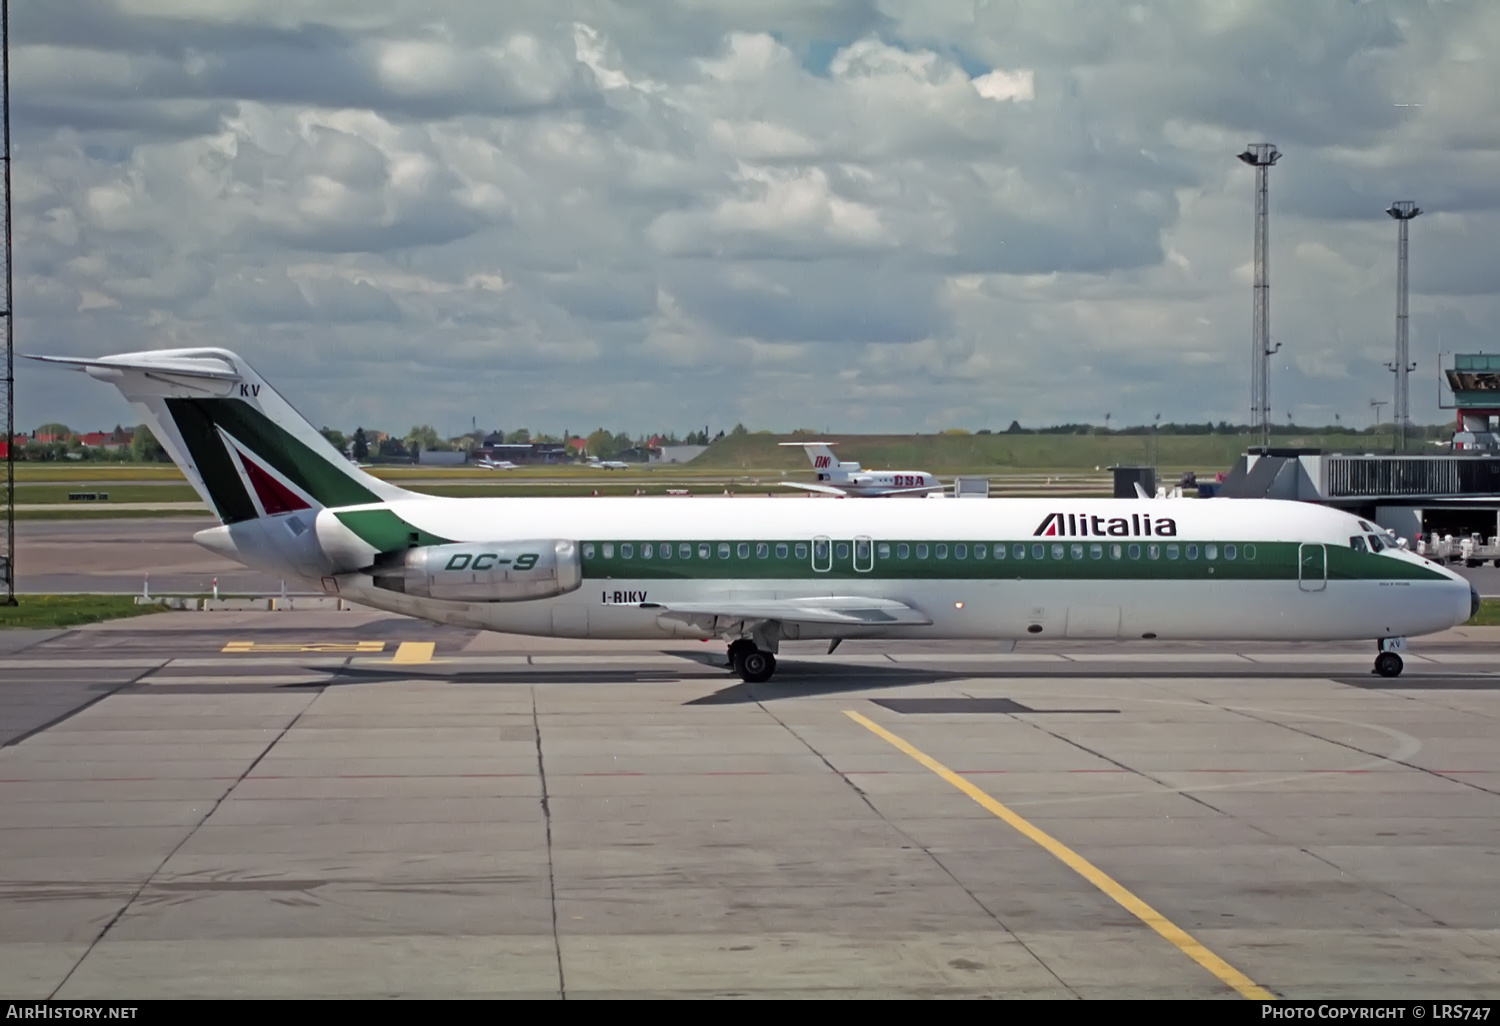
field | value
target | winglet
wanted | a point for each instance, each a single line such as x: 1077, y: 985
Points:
x: 1140, y: 493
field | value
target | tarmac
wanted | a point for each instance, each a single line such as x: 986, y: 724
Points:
x: 350, y: 804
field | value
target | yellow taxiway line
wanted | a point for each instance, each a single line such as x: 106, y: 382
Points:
x: 338, y: 647
x: 414, y: 652
x: 1083, y: 867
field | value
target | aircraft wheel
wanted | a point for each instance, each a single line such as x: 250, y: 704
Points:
x: 757, y: 666
x: 737, y: 651
x: 1388, y: 664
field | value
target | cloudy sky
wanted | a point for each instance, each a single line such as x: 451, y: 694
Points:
x: 873, y: 215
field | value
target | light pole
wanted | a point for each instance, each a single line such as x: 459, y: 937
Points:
x: 1377, y: 403
x: 1261, y: 156
x: 8, y: 398
x: 1403, y: 211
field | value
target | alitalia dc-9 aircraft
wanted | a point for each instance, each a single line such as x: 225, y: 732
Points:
x: 757, y: 572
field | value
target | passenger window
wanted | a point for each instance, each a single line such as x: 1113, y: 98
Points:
x: 883, y: 550
x: 743, y: 550
x: 960, y: 552
x: 1153, y: 551
x: 999, y: 551
x: 627, y: 551
x: 841, y: 550
x: 820, y: 553
x: 1210, y: 552
x: 1057, y: 552
x: 646, y: 551
x: 1173, y: 552
x: 921, y: 551
x: 704, y: 550
x: 685, y: 551
x: 981, y: 551
x: 723, y: 550
x: 1115, y: 551
x: 762, y: 550
x: 1077, y: 551
x: 1096, y: 551
x: 1358, y: 544
x: 588, y: 550
x: 1039, y: 552
x: 609, y: 550
x: 801, y: 550
x: 666, y: 550
x: 1229, y: 552
x: 941, y: 552
x: 781, y: 551
x: 1020, y: 551
x: 1192, y: 552
x: 1135, y: 552
x: 1249, y: 551
x: 903, y: 550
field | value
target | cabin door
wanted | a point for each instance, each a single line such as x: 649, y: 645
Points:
x: 822, y: 555
x: 1312, y: 567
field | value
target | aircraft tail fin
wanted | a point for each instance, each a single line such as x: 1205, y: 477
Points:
x: 243, y: 447
x: 820, y: 455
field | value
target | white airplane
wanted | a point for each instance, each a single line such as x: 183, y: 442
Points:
x: 849, y: 479
x: 757, y: 573
x: 489, y: 463
x: 598, y: 464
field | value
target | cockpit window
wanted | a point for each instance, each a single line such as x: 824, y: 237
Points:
x: 1365, y: 527
x: 1376, y: 544
x: 1358, y: 544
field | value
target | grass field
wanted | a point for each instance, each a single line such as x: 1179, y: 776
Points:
x: 999, y: 453
x: 70, y: 610
x: 27, y: 494
x: 945, y: 454
x: 1488, y: 615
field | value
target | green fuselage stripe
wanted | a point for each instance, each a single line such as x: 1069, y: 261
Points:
x: 385, y: 531
x: 1040, y: 560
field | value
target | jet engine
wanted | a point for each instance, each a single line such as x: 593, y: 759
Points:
x: 512, y: 571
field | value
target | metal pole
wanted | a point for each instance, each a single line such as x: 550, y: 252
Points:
x: 1261, y: 156
x: 9, y: 595
x: 1403, y: 211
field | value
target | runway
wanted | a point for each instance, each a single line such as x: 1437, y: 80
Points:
x: 358, y: 805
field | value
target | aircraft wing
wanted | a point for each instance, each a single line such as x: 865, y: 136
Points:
x: 820, y: 489
x: 848, y: 611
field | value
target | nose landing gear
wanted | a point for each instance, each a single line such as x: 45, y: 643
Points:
x: 1388, y: 662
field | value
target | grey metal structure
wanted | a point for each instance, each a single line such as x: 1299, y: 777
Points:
x: 8, y: 413
x: 1403, y: 211
x: 1261, y: 156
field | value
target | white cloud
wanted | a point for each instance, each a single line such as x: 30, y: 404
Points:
x: 1006, y: 85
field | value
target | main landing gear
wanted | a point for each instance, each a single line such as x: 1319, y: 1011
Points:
x: 749, y: 663
x: 1388, y: 662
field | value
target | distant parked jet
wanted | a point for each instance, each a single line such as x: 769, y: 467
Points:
x: 848, y: 479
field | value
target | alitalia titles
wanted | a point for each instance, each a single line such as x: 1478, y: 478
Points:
x: 1077, y: 525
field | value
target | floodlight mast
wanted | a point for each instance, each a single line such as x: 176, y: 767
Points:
x: 8, y: 415
x: 1261, y: 156
x: 1403, y: 211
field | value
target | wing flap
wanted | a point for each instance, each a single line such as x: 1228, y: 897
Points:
x: 849, y: 611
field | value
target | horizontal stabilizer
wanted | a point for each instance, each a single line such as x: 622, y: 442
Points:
x: 848, y: 611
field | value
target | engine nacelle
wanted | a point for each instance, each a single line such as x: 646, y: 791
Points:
x: 484, y: 571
